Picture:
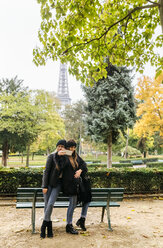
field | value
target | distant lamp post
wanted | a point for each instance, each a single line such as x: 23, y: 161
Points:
x: 80, y: 146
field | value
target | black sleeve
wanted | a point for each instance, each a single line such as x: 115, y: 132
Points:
x: 82, y: 165
x: 46, y: 172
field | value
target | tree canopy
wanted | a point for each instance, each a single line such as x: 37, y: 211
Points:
x: 111, y: 107
x: 18, y: 116
x: 150, y: 108
x: 84, y: 32
x: 52, y: 126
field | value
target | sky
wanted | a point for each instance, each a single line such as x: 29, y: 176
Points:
x: 19, y: 24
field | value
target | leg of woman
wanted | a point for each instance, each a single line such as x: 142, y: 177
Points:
x: 49, y: 198
x: 84, y: 209
x: 81, y: 221
x: 46, y: 197
x: 70, y: 211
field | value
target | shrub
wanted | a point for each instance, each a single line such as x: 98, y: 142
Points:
x: 146, y: 180
x: 120, y: 165
x: 155, y: 164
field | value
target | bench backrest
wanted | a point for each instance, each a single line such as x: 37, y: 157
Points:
x: 98, y: 194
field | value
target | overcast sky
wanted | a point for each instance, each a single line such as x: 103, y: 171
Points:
x: 19, y: 24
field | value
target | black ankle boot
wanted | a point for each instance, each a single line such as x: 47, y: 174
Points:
x: 50, y: 230
x: 81, y: 223
x: 70, y: 229
x: 43, y: 229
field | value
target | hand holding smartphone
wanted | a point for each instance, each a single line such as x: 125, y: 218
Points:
x: 68, y: 152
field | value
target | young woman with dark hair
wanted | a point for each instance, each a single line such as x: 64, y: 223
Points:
x: 74, y: 173
x: 51, y: 185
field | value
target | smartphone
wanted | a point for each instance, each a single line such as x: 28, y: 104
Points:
x: 68, y: 152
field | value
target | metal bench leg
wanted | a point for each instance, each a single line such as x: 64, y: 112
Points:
x: 33, y: 213
x: 102, y: 215
x: 109, y: 221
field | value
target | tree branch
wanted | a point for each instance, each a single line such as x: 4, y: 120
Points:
x: 151, y: 2
x: 114, y: 24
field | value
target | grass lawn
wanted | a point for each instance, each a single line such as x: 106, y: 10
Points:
x: 40, y: 160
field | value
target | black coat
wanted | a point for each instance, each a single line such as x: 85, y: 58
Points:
x: 69, y: 182
x: 51, y: 173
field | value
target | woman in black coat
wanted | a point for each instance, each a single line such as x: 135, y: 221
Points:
x: 74, y: 173
x: 52, y: 185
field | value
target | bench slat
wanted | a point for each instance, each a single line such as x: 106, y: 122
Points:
x: 64, y: 204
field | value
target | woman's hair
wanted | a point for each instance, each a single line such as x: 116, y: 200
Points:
x: 73, y: 158
x: 70, y: 143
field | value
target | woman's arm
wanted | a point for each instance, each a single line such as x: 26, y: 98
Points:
x: 82, y: 167
x: 82, y: 164
x: 46, y: 172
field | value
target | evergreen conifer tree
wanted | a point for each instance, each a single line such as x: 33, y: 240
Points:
x: 110, y: 107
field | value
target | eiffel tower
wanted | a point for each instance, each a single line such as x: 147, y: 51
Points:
x: 63, y: 91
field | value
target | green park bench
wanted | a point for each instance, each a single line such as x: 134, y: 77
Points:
x: 101, y: 197
x: 137, y: 162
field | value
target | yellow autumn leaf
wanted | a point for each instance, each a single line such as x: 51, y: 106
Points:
x: 149, y: 94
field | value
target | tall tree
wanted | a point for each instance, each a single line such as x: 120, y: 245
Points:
x: 74, y: 116
x: 150, y: 107
x: 149, y: 110
x: 83, y: 32
x: 18, y: 116
x: 52, y: 126
x: 110, y: 107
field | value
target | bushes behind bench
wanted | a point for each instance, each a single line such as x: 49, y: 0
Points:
x: 149, y: 180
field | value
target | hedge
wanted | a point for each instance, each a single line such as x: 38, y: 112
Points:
x: 118, y: 165
x: 145, y: 160
x: 155, y: 164
x: 132, y: 180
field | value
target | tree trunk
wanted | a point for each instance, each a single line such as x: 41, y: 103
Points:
x: 109, y: 153
x: 126, y: 149
x: 48, y: 151
x: 33, y: 154
x: 5, y: 150
x: 144, y: 154
x: 27, y: 160
x: 161, y: 13
x: 22, y: 157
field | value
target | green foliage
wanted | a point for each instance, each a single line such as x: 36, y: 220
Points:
x: 84, y: 32
x: 51, y: 125
x: 131, y: 151
x: 19, y: 117
x: 73, y: 116
x: 11, y: 179
x: 102, y: 167
x: 133, y: 181
x: 155, y: 164
x: 110, y: 106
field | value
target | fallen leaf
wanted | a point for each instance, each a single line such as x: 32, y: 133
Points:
x: 128, y: 217
x: 18, y: 231
x: 85, y: 234
x: 145, y: 236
